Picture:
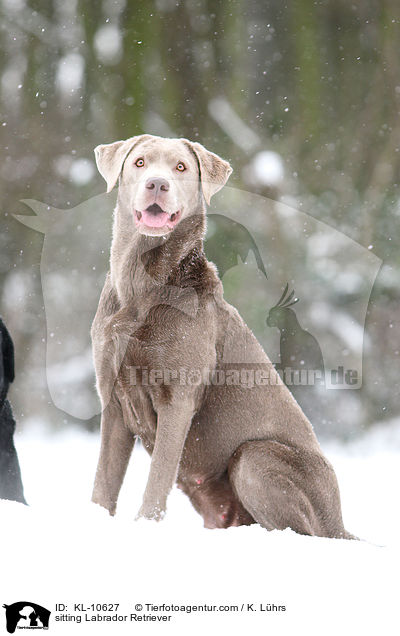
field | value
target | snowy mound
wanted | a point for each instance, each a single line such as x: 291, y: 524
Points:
x: 63, y: 549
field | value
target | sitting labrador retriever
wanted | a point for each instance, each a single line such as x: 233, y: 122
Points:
x: 10, y: 474
x: 170, y: 356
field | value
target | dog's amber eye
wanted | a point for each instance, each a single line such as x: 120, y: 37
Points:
x: 139, y: 162
x: 181, y: 166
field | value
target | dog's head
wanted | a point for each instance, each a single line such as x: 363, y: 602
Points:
x: 162, y: 180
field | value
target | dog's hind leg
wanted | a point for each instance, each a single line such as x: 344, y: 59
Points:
x: 215, y: 500
x: 285, y: 487
x: 117, y: 442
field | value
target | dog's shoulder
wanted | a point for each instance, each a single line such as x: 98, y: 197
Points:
x: 108, y: 302
x: 108, y: 305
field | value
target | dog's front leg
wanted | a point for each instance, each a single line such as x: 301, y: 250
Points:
x: 173, y: 423
x: 117, y: 442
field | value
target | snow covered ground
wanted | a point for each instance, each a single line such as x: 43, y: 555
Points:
x: 63, y: 549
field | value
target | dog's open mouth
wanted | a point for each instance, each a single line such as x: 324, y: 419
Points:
x: 155, y: 216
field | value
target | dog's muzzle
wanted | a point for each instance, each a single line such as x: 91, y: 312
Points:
x: 154, y: 216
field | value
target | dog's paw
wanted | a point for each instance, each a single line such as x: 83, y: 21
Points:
x: 153, y: 513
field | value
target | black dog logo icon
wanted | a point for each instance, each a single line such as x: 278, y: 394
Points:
x: 25, y: 614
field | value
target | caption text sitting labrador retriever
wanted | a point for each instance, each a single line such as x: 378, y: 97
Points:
x: 242, y: 455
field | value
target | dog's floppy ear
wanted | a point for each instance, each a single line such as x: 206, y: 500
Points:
x: 214, y: 171
x: 110, y: 158
x: 7, y: 351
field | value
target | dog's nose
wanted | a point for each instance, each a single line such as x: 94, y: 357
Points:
x: 157, y: 184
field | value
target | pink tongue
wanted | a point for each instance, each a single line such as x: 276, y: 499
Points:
x: 154, y: 220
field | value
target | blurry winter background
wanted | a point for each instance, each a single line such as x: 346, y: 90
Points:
x: 302, y: 98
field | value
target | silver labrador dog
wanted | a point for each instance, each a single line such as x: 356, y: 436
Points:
x: 170, y: 354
